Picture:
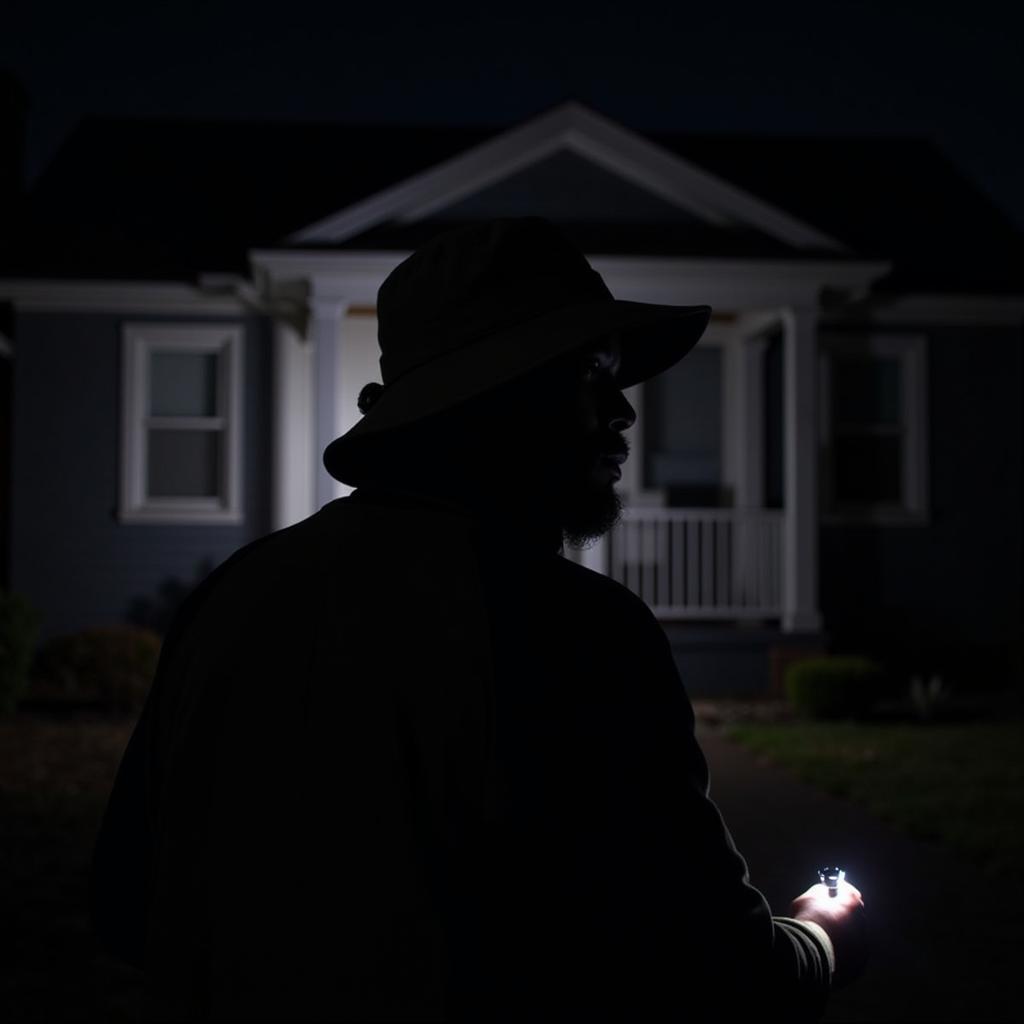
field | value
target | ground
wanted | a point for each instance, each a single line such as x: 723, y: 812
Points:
x: 943, y: 942
x: 55, y: 777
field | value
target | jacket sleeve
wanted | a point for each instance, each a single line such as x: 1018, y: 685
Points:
x: 122, y: 857
x: 682, y: 892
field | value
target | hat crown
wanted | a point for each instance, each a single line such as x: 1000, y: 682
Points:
x: 476, y: 281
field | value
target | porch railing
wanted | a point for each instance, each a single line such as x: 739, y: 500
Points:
x: 700, y: 563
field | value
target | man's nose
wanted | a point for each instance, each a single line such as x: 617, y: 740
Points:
x: 621, y: 415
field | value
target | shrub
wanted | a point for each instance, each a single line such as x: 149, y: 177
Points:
x: 109, y: 667
x: 930, y: 699
x: 835, y: 686
x: 19, y: 629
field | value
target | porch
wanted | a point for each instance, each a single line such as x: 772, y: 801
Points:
x: 697, y: 564
x: 720, y: 492
x: 714, y: 577
x: 744, y: 554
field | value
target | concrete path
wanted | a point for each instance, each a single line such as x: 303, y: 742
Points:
x: 946, y: 943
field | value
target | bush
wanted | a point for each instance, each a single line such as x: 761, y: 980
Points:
x: 110, y: 668
x: 836, y: 686
x: 19, y: 629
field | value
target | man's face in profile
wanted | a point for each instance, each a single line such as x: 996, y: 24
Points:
x: 551, y: 443
x: 545, y: 448
x: 589, y: 446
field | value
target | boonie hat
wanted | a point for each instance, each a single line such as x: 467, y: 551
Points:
x: 480, y: 305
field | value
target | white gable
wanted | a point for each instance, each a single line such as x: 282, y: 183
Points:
x: 566, y: 187
x: 651, y: 179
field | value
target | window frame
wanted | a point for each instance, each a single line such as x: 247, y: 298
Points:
x: 139, y: 341
x: 911, y: 351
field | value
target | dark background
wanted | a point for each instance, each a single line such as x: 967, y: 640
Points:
x: 950, y: 72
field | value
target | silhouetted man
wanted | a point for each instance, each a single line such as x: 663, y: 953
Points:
x: 403, y: 760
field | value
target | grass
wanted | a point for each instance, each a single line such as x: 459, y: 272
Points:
x: 55, y: 778
x: 961, y: 783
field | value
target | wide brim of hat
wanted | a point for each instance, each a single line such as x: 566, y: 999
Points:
x: 652, y: 338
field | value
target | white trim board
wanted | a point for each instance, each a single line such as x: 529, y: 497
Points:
x: 41, y: 295
x: 936, y: 310
x: 725, y: 284
x: 574, y: 128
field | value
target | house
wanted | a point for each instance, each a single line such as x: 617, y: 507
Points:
x: 189, y: 312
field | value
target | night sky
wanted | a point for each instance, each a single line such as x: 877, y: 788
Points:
x: 945, y: 71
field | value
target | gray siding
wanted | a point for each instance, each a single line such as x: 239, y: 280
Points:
x: 947, y: 594
x: 69, y: 554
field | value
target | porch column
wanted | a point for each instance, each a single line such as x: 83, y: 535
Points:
x: 596, y: 556
x: 800, y: 526
x: 743, y: 419
x: 743, y: 451
x: 326, y: 312
x: 292, y: 456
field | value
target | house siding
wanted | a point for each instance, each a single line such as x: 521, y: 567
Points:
x: 945, y: 595
x: 70, y: 556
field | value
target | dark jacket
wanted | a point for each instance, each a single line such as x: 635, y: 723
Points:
x: 396, y: 767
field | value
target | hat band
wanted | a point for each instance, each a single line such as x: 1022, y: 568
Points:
x: 498, y: 310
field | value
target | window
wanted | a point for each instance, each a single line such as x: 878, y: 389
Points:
x: 682, y: 410
x: 874, y: 428
x: 181, y: 429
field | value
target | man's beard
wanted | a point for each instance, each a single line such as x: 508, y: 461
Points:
x: 588, y: 510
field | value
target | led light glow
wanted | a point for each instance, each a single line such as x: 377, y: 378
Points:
x: 830, y: 878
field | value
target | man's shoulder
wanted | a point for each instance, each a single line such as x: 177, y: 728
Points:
x: 344, y: 553
x: 272, y: 572
x: 309, y: 546
x: 602, y: 591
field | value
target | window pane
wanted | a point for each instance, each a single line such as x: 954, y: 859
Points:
x: 682, y: 429
x: 867, y: 470
x: 866, y: 389
x: 184, y: 463
x: 183, y: 383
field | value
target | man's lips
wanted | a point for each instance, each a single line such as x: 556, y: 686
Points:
x: 612, y: 461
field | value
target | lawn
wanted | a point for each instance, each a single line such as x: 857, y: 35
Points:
x: 961, y: 783
x: 55, y: 777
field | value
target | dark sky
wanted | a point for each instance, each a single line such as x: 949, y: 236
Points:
x: 949, y: 71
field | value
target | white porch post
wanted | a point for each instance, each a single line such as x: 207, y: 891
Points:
x: 743, y: 450
x: 800, y: 528
x: 743, y: 419
x: 293, y: 459
x: 326, y: 312
x: 596, y: 556
x: 358, y: 362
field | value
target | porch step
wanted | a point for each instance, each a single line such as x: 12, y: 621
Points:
x: 735, y: 661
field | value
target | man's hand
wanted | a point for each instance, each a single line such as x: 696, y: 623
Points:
x: 842, y: 917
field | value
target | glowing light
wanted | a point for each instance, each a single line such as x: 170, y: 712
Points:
x: 831, y: 879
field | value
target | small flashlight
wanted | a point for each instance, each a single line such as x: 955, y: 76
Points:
x: 830, y: 878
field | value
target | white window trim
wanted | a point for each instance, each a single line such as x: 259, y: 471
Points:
x: 138, y: 342
x: 912, y: 352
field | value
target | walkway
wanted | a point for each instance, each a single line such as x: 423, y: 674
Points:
x: 946, y: 946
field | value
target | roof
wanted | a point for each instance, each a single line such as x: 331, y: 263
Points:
x: 170, y: 199
x: 899, y: 199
